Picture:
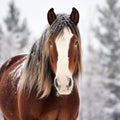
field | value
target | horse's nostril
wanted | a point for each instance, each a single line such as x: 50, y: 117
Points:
x: 69, y: 83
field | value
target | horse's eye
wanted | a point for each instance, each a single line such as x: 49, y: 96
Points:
x: 50, y: 43
x: 76, y: 43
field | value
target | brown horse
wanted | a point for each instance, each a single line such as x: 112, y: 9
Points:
x: 43, y: 84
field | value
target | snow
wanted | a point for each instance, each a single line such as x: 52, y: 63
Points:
x: 96, y: 98
x: 16, y: 72
x: 14, y: 36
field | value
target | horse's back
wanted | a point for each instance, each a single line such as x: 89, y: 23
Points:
x: 9, y: 63
x: 9, y: 77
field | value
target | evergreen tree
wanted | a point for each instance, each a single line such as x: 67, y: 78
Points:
x: 15, y: 38
x: 108, y: 33
x: 12, y: 18
x: 91, y: 87
x: 13, y: 25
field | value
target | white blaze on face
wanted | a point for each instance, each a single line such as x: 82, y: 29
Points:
x: 63, y: 72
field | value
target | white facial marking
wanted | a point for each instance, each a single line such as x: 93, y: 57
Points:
x: 62, y: 45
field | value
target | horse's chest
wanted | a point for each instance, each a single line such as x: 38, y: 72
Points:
x: 60, y: 114
x: 55, y: 108
x: 60, y: 109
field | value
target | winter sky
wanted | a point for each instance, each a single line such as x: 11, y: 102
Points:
x: 35, y: 11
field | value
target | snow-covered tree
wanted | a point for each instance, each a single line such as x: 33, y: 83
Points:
x: 12, y: 18
x: 100, y: 87
x: 108, y: 34
x: 91, y: 87
x: 15, y: 36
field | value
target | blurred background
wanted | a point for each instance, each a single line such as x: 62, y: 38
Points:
x: 22, y: 23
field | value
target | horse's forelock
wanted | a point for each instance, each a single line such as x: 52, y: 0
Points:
x: 57, y: 28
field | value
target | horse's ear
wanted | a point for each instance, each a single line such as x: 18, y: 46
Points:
x: 51, y: 16
x: 74, y: 16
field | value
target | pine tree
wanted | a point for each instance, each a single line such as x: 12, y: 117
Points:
x: 108, y: 34
x: 12, y: 18
x: 91, y: 87
x: 13, y: 25
x: 15, y: 38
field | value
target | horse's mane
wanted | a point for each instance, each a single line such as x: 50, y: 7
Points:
x: 37, y: 73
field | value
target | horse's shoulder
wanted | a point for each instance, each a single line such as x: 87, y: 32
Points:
x: 10, y: 62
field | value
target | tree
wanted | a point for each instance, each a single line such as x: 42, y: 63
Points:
x: 12, y: 18
x: 15, y: 37
x: 91, y: 87
x: 13, y: 25
x: 108, y: 34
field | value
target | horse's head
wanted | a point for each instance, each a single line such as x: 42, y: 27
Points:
x: 64, y: 49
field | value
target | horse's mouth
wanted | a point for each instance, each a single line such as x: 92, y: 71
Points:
x: 63, y: 92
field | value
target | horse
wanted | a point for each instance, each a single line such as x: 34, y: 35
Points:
x: 43, y: 85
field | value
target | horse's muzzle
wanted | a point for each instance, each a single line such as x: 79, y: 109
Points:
x: 63, y: 86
